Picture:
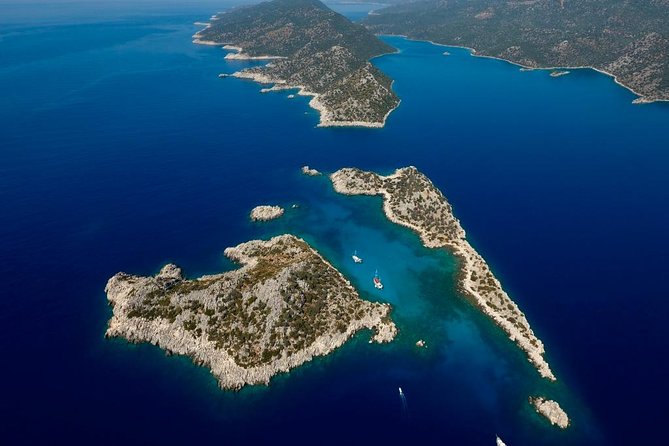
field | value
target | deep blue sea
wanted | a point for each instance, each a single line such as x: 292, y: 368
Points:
x: 122, y: 150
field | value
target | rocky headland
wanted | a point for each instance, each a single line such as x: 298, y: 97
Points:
x: 411, y: 200
x: 284, y: 306
x: 265, y: 213
x: 313, y: 49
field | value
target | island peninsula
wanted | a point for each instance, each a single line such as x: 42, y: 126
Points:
x: 410, y: 199
x: 628, y: 40
x: 313, y: 49
x: 284, y: 306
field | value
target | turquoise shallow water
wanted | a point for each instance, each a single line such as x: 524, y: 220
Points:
x: 122, y: 150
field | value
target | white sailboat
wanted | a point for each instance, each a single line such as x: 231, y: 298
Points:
x: 377, y: 281
x: 355, y: 257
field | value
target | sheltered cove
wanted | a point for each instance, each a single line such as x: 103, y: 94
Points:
x: 411, y: 200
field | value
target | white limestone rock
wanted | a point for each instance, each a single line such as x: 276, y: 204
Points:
x: 265, y: 213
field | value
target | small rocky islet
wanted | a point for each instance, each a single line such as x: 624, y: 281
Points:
x: 266, y: 213
x: 311, y: 48
x: 551, y: 410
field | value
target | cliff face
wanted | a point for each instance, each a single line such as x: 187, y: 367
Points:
x: 312, y: 48
x: 282, y: 307
x: 629, y: 40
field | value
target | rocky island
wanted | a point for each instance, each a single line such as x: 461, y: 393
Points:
x: 551, y: 410
x: 284, y: 306
x: 411, y: 200
x: 310, y: 172
x: 628, y: 40
x: 313, y: 49
x: 265, y: 213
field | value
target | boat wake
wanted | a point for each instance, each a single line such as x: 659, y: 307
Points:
x: 405, y: 407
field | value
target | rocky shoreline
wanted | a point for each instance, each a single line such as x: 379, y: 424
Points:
x: 284, y: 306
x: 411, y: 200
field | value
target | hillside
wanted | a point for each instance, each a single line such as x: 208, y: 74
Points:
x: 629, y: 40
x: 312, y: 48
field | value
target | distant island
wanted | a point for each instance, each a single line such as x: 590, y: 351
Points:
x: 626, y: 39
x: 265, y: 213
x: 411, y: 200
x: 313, y: 49
x: 284, y: 306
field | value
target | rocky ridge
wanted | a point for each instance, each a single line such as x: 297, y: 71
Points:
x: 411, y: 200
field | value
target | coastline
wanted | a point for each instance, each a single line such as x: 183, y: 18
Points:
x: 174, y: 338
x: 280, y: 84
x: 315, y: 103
x: 641, y: 99
x: 472, y: 265
x: 239, y: 55
x: 266, y: 212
